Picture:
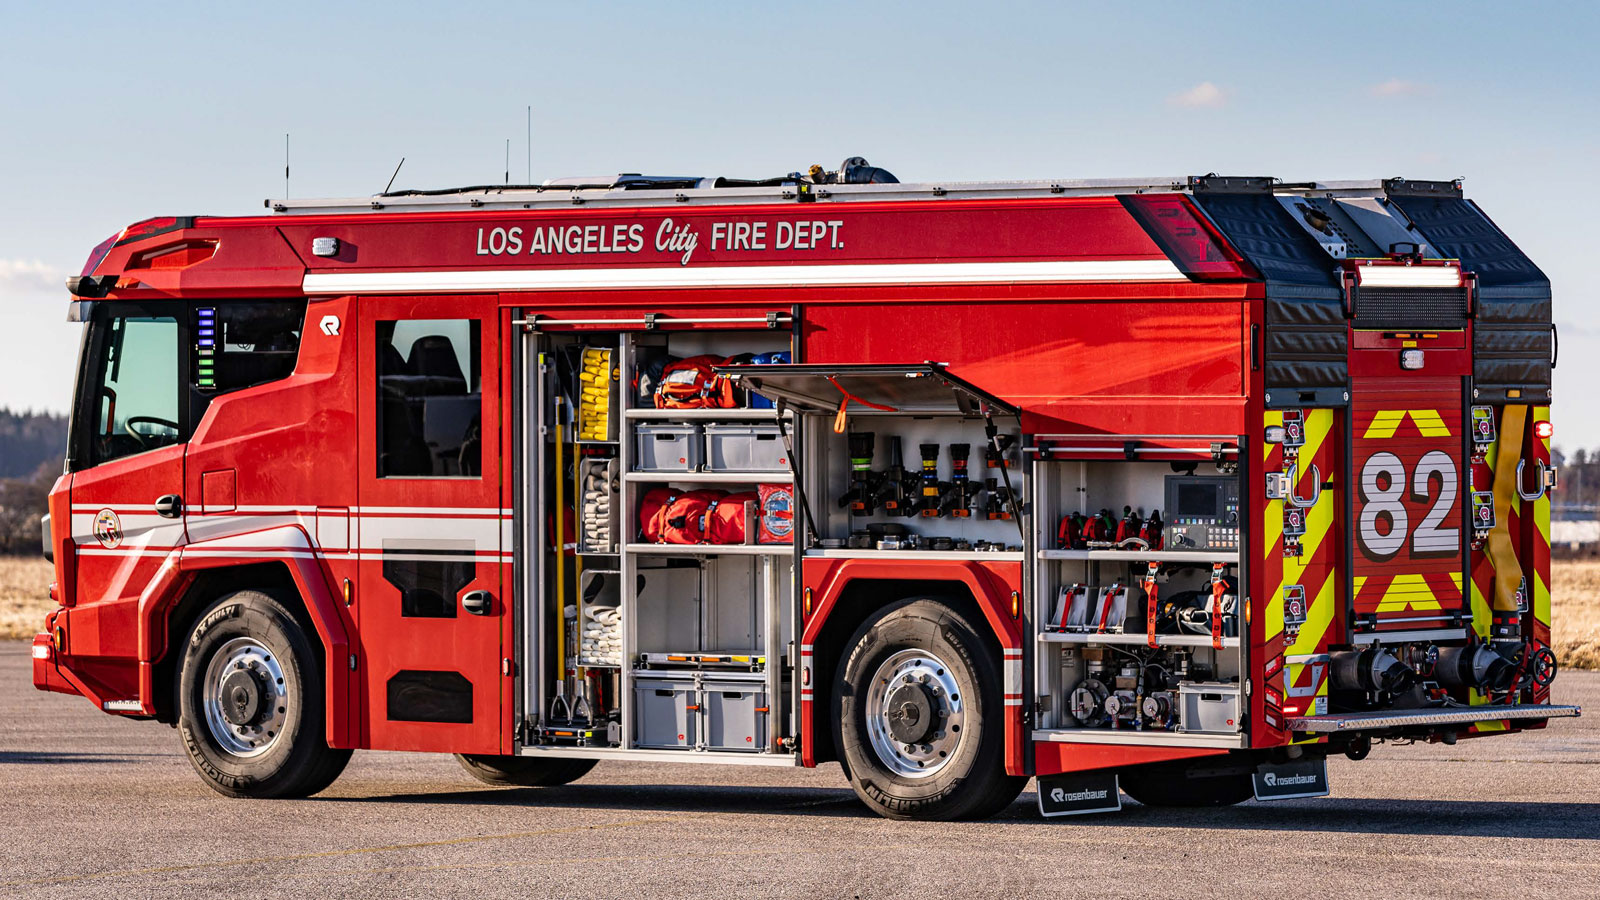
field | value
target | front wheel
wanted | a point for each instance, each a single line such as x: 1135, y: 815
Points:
x: 250, y: 702
x: 919, y: 716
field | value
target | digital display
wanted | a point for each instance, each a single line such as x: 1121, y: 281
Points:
x: 1198, y: 500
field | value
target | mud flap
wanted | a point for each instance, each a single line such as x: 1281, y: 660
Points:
x: 1290, y: 780
x: 1079, y: 793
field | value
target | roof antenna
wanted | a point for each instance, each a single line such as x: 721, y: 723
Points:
x: 508, y: 162
x: 530, y: 145
x: 286, y: 165
x: 396, y: 173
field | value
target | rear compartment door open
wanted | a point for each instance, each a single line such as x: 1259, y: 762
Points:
x: 916, y: 390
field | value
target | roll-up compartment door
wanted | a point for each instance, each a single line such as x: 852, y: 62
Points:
x: 910, y: 390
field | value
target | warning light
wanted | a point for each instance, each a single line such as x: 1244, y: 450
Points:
x: 1543, y: 430
x: 205, y: 348
x: 1187, y: 237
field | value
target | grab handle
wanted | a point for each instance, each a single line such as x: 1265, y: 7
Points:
x: 1316, y: 488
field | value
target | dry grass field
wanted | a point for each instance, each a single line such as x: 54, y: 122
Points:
x: 24, y: 582
x: 24, y: 595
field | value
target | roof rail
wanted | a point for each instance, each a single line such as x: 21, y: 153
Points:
x: 726, y: 192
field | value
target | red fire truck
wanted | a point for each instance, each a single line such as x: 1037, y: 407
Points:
x: 1169, y: 488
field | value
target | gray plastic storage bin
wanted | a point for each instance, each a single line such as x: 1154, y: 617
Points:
x: 735, y: 712
x: 671, y: 447
x: 1208, y: 707
x: 745, y: 448
x: 663, y: 707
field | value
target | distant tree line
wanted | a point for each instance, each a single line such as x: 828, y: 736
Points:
x: 32, y: 446
x: 1579, y: 489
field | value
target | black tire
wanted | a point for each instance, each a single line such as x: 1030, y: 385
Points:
x: 524, y: 771
x: 296, y: 760
x: 968, y: 781
x: 1191, y: 783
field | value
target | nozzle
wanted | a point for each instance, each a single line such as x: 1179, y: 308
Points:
x: 862, y: 445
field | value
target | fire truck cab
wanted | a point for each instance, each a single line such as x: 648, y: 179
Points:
x: 1167, y: 487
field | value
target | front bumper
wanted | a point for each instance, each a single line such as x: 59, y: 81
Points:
x: 46, y: 676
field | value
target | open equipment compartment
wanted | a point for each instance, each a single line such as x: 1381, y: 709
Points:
x: 898, y: 460
x: 642, y: 644
x: 1139, y: 594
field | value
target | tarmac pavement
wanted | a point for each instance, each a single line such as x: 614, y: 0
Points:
x: 96, y: 805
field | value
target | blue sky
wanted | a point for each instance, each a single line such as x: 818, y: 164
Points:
x: 113, y: 113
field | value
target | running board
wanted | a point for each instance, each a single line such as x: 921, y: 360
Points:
x: 1411, y: 718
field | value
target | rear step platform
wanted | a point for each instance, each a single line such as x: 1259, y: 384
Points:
x: 1413, y: 718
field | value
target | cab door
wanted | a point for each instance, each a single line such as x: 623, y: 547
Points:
x: 429, y: 606
x: 127, y: 458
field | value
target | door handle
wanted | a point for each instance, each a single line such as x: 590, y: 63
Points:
x: 477, y: 602
x: 169, y: 506
x: 1316, y: 488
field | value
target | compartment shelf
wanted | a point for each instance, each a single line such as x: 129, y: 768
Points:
x: 709, y: 477
x: 1124, y: 637
x: 1132, y: 736
x: 703, y: 415
x: 848, y: 553
x: 639, y: 549
x: 1213, y: 556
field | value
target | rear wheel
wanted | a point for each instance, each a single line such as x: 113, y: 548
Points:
x: 250, y: 702
x: 1190, y: 783
x: 918, y: 716
x: 523, y: 771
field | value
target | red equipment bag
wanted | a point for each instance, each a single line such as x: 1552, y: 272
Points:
x: 725, y: 522
x: 687, y: 519
x: 777, y: 513
x: 653, y: 512
x: 690, y: 384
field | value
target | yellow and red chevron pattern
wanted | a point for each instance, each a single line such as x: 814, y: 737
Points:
x: 1410, y: 486
x: 1296, y: 652
x: 1536, y: 550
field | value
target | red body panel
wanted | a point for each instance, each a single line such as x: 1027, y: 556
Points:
x: 430, y: 521
x: 287, y: 471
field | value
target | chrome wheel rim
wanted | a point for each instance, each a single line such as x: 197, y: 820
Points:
x: 245, y: 699
x: 915, y: 713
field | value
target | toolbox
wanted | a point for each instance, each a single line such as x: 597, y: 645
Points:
x: 667, y: 447
x: 744, y: 448
x: 666, y: 711
x: 1210, y: 707
x: 694, y: 710
x: 735, y: 711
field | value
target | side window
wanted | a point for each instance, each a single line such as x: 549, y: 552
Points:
x: 240, y: 344
x: 430, y: 406
x: 135, y: 402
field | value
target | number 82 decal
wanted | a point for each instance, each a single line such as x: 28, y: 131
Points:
x: 1383, y: 485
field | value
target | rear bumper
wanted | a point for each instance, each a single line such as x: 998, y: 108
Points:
x: 1402, y: 721
x: 46, y: 676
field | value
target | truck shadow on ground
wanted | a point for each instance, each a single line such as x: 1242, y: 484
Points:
x: 1444, y: 818
x: 63, y: 757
